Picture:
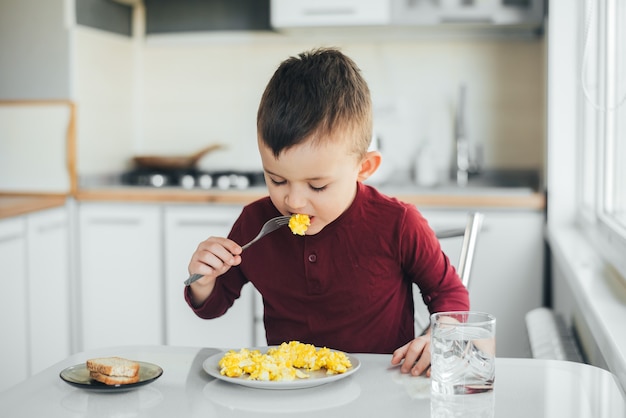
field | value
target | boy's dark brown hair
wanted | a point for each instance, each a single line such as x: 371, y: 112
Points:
x: 312, y: 96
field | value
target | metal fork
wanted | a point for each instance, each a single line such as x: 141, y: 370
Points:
x: 269, y: 226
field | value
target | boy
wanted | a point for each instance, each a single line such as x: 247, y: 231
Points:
x: 346, y: 284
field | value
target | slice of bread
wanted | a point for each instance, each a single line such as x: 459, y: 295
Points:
x: 113, y: 366
x: 113, y: 380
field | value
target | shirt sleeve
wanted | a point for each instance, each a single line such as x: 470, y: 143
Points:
x: 227, y: 288
x: 429, y: 267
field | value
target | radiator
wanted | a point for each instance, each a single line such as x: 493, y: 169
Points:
x: 550, y: 338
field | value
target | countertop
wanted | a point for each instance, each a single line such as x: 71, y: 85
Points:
x: 436, y: 197
x: 14, y: 205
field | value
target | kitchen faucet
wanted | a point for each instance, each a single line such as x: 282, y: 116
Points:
x: 461, y: 141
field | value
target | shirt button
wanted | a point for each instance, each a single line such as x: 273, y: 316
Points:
x: 312, y: 258
x: 427, y: 299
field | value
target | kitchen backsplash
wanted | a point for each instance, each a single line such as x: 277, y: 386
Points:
x: 175, y: 94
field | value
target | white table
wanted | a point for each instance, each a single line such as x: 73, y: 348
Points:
x: 524, y: 388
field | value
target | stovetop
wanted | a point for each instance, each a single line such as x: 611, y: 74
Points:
x: 193, y: 178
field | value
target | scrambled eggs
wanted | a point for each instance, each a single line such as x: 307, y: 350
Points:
x: 285, y: 362
x: 299, y: 223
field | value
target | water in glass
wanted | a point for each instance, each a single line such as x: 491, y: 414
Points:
x: 462, y: 353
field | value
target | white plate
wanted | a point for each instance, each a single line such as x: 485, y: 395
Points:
x: 316, y: 378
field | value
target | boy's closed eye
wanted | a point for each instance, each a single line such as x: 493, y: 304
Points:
x: 318, y: 188
x: 313, y: 187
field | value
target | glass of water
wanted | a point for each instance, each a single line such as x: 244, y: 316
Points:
x: 463, y: 352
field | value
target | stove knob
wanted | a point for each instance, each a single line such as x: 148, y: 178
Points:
x: 223, y: 182
x: 187, y: 181
x: 205, y: 181
x: 232, y: 179
x: 157, y: 180
x: 242, y: 182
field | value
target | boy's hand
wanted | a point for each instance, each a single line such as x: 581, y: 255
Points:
x: 416, y: 355
x: 213, y: 257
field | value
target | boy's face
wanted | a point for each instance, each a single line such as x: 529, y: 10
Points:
x: 317, y: 180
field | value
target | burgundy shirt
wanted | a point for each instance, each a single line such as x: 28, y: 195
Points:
x: 349, y: 287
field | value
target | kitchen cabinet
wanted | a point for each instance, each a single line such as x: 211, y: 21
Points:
x: 48, y: 287
x: 120, y: 273
x: 109, y: 16
x: 405, y: 13
x: 13, y: 308
x: 185, y: 227
x: 500, y: 13
x: 35, y: 50
x: 303, y: 13
x: 165, y: 16
x: 507, y: 274
x: 34, y: 293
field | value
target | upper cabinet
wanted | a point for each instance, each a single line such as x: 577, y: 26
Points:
x: 166, y: 16
x: 526, y: 14
x: 309, y: 13
x: 34, y: 50
x: 105, y: 15
x: 37, y: 43
x: 514, y: 13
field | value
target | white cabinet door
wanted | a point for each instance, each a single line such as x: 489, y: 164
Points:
x: 304, y: 13
x: 120, y: 274
x: 48, y: 282
x: 13, y: 302
x: 185, y: 228
x: 507, y: 275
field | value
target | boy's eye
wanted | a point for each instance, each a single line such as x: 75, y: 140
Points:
x: 317, y: 189
x: 278, y: 183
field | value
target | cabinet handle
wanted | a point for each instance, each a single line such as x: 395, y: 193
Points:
x: 11, y: 237
x: 51, y: 227
x: 114, y: 221
x: 212, y: 224
x: 338, y: 11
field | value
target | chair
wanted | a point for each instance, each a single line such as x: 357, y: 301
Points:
x: 470, y: 236
x: 470, y: 233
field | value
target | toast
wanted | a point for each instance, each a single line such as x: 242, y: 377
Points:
x: 113, y: 380
x: 113, y: 370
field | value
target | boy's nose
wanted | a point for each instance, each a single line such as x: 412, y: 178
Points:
x: 295, y: 200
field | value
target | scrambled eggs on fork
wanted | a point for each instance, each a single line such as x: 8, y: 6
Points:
x: 299, y: 223
x: 289, y: 361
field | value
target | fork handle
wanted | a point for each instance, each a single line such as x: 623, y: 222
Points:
x: 193, y: 278
x: 196, y: 277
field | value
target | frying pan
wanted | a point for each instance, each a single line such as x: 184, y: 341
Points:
x: 173, y: 162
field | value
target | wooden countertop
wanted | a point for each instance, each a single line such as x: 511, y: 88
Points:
x: 18, y: 204
x: 492, y: 199
x: 14, y: 204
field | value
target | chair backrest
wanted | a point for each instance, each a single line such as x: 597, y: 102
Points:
x: 468, y: 248
x: 464, y: 268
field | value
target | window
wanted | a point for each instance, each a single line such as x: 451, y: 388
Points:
x: 588, y: 125
x: 617, y: 192
x: 602, y: 141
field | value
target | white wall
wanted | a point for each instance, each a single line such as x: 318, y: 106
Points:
x: 174, y: 94
x: 104, y: 78
x: 562, y: 79
x: 199, y: 91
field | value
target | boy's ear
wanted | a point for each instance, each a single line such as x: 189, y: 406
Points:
x: 369, y: 164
